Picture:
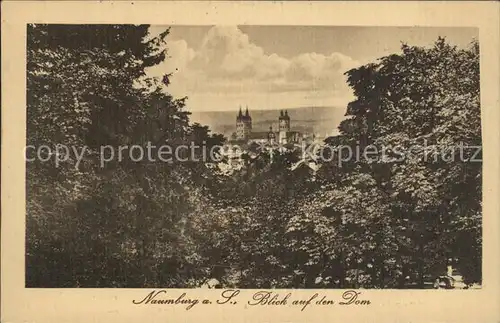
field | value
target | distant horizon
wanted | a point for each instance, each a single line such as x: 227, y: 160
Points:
x: 243, y: 107
x: 315, y: 119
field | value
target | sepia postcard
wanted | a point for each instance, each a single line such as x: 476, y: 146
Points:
x: 250, y: 161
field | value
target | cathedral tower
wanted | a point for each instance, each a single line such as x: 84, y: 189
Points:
x: 243, y: 125
x: 271, y: 136
x: 284, y: 127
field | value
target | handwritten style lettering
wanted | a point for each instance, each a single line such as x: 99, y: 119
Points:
x: 152, y: 299
x: 351, y: 298
x: 228, y: 295
x: 268, y: 298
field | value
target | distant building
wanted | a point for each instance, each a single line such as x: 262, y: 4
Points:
x: 262, y: 136
x: 284, y: 127
x: 244, y: 133
x: 245, y: 144
x: 243, y: 125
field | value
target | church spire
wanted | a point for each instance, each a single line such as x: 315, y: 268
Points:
x: 240, y: 114
x: 246, y: 112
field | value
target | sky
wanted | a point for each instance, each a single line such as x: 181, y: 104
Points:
x: 220, y: 68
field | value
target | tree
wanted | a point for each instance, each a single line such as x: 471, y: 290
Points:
x: 393, y: 220
x: 117, y: 225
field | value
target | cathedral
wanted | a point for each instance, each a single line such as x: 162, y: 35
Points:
x: 243, y: 140
x: 283, y: 136
x: 243, y: 125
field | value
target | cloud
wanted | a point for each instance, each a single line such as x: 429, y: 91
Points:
x: 178, y: 56
x: 227, y: 62
x: 320, y: 71
x: 226, y: 52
